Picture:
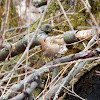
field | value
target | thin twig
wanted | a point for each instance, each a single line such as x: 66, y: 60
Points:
x: 73, y: 93
x: 5, y: 21
x: 93, y: 19
x: 65, y: 14
x: 11, y: 74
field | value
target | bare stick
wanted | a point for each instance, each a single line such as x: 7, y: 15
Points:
x: 11, y: 74
x: 93, y: 19
x: 4, y: 21
x: 65, y: 14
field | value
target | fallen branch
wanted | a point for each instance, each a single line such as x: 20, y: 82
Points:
x: 49, y: 66
x: 20, y: 46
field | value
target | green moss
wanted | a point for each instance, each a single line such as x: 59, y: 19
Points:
x: 53, y: 8
x: 79, y: 6
x: 1, y: 12
x: 36, y: 93
x: 78, y: 20
x: 13, y: 16
x: 2, y: 3
x: 95, y: 6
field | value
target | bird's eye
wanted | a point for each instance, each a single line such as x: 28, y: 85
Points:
x: 47, y: 26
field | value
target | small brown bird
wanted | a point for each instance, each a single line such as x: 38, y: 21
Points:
x: 50, y: 47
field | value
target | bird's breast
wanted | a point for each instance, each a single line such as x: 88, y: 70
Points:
x: 51, y: 51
